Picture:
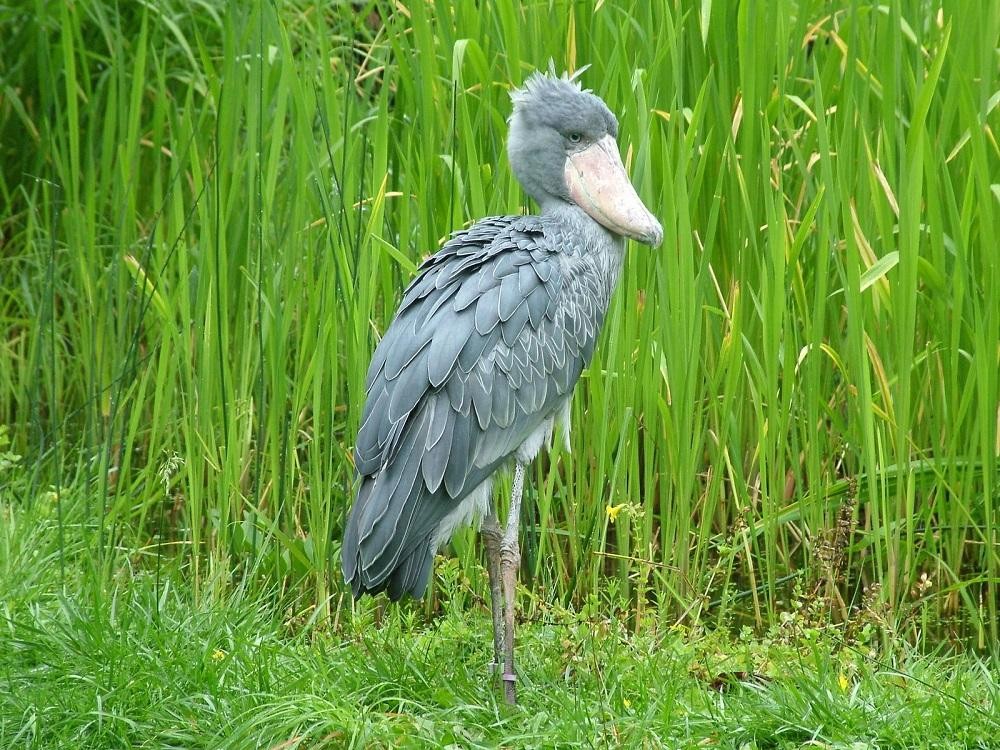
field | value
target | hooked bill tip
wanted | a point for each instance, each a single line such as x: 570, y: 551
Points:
x: 652, y: 236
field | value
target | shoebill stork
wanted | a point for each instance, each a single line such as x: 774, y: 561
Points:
x: 480, y: 362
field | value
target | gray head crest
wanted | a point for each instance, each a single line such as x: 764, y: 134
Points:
x: 540, y: 86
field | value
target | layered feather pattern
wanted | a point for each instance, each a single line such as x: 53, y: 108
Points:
x: 487, y: 344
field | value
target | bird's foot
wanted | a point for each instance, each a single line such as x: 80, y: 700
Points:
x: 509, y: 687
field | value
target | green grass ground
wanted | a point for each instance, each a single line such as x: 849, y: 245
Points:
x: 140, y: 662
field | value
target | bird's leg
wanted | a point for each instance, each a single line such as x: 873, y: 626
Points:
x: 491, y: 539
x: 510, y: 560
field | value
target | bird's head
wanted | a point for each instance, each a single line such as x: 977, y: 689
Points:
x: 562, y: 147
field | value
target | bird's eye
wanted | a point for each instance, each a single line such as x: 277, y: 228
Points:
x: 574, y: 137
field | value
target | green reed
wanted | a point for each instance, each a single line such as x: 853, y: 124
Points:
x: 211, y: 210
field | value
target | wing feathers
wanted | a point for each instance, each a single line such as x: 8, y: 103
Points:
x: 449, y: 339
x: 482, y: 352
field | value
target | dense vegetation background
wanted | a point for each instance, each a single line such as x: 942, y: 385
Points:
x: 208, y: 211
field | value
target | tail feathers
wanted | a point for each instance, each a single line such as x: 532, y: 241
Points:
x: 350, y: 552
x: 410, y: 576
x: 401, y: 566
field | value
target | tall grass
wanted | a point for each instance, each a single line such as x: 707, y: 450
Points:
x: 210, y: 210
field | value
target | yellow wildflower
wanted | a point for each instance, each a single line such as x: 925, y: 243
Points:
x: 218, y: 655
x: 613, y: 511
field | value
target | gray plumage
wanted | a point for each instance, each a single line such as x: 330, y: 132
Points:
x: 489, y: 340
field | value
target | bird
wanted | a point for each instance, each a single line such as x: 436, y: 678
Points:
x: 478, y: 366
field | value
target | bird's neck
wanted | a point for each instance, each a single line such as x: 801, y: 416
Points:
x: 598, y: 254
x: 598, y: 238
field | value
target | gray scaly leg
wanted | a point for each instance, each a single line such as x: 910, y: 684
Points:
x: 491, y: 539
x: 510, y: 560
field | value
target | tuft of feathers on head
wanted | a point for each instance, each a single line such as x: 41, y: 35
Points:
x: 559, y: 102
x: 542, y: 85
